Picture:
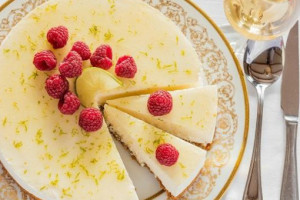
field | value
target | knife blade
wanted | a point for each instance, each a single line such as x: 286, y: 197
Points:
x: 290, y: 107
x: 290, y: 77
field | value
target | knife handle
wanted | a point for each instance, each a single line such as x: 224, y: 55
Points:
x: 289, y: 187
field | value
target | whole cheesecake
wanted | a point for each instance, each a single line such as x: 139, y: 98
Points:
x: 48, y: 150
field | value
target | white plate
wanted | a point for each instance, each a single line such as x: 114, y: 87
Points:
x: 220, y: 67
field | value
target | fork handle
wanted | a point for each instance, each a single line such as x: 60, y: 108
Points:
x: 289, y: 187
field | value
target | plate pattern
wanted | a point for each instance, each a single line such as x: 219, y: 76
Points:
x: 216, y: 71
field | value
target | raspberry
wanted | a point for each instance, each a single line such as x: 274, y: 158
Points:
x: 90, y: 119
x: 82, y: 49
x: 102, y: 57
x: 45, y: 60
x: 166, y: 154
x: 56, y: 86
x: 126, y: 67
x: 69, y: 104
x: 160, y: 103
x: 58, y: 36
x: 71, y: 66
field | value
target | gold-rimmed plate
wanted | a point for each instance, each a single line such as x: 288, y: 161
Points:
x: 220, y: 67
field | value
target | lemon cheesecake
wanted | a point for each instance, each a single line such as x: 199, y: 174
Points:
x: 47, y: 152
x: 193, y: 116
x: 142, y: 139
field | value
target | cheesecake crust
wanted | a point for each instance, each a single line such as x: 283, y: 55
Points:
x: 117, y: 137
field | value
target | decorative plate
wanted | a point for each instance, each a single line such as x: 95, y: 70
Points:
x: 220, y: 67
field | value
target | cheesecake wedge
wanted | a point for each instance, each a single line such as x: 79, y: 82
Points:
x: 192, y: 118
x: 142, y: 139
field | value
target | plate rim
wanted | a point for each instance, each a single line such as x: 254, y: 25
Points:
x: 245, y: 95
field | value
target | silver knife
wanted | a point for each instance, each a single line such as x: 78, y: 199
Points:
x: 290, y: 107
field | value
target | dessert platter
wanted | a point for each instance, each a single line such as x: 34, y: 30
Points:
x: 117, y: 99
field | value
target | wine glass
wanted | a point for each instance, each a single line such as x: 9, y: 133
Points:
x: 262, y: 19
x: 258, y: 20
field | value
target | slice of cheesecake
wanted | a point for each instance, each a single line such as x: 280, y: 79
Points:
x: 142, y: 140
x: 193, y: 116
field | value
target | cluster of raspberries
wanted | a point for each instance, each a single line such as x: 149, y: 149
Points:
x: 57, y: 85
x: 91, y: 119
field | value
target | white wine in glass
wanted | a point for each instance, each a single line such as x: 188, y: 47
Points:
x: 262, y: 19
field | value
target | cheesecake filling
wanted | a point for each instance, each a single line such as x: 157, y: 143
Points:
x: 142, y: 140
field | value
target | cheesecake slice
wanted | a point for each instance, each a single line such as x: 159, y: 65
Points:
x: 193, y: 116
x: 142, y: 140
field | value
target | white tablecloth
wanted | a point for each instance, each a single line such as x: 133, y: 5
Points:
x: 273, y: 137
x: 273, y: 130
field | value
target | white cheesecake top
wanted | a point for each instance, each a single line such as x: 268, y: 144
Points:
x: 142, y: 139
x: 193, y: 116
x: 164, y: 56
x: 58, y: 161
x: 48, y: 150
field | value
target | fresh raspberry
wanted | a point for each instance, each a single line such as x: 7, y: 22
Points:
x: 126, y: 67
x: 58, y: 36
x: 69, y: 104
x: 160, y: 103
x: 90, y: 119
x: 56, y: 86
x: 102, y: 57
x: 166, y: 154
x: 71, y: 67
x: 82, y: 49
x: 45, y: 60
